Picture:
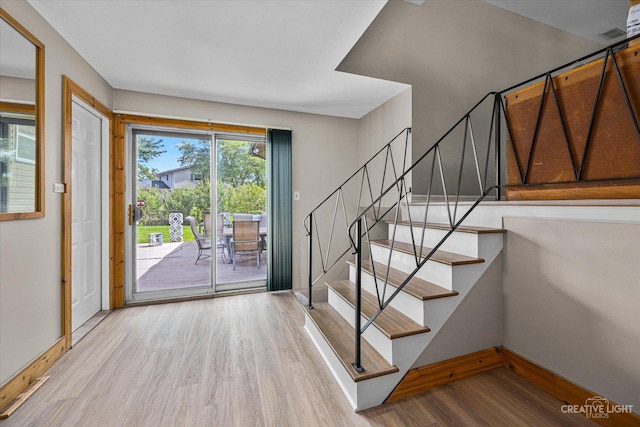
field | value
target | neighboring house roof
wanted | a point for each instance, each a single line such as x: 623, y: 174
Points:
x: 181, y: 168
x: 148, y: 183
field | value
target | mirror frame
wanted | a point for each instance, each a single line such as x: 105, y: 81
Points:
x: 39, y: 122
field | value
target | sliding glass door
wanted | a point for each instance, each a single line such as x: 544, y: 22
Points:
x: 197, y: 213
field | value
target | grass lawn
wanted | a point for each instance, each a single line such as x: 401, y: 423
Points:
x: 144, y: 230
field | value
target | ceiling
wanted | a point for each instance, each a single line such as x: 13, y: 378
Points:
x: 275, y: 54
x: 584, y: 18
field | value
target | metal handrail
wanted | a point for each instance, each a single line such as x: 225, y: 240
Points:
x: 497, y: 141
x: 310, y: 219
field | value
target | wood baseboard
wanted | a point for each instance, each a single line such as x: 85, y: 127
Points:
x: 445, y: 372
x: 562, y: 389
x: 575, y: 397
x: 21, y: 382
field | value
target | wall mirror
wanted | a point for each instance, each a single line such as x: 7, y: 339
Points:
x: 21, y: 122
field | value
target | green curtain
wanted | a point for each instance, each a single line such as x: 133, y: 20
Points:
x: 279, y: 195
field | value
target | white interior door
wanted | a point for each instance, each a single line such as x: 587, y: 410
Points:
x: 86, y: 215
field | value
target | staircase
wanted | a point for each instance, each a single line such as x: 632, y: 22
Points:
x: 428, y: 287
x: 402, y: 332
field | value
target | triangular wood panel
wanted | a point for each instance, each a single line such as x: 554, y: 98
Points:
x: 581, y: 146
x: 614, y: 149
x: 550, y: 158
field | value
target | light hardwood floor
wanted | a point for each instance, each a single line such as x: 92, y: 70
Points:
x: 246, y: 361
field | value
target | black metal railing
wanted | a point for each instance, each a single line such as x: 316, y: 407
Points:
x: 343, y: 205
x: 460, y: 159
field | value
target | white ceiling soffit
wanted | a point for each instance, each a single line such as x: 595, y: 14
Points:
x: 274, y: 54
x: 584, y: 18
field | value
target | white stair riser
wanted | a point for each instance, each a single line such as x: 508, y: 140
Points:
x: 398, y: 351
x: 361, y: 394
x: 431, y: 313
x: 458, y: 242
x: 432, y: 271
x: 377, y: 339
x: 437, y: 213
x: 405, y: 303
x: 484, y: 245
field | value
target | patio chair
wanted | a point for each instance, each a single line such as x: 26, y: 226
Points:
x: 246, y: 238
x: 263, y: 224
x: 221, y: 240
x: 202, y: 243
x: 242, y: 217
x: 206, y: 224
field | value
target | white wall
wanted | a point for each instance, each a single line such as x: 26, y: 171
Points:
x: 453, y: 53
x: 324, y: 150
x: 376, y: 130
x: 17, y: 89
x: 378, y: 127
x: 571, y: 293
x: 571, y: 286
x: 30, y: 271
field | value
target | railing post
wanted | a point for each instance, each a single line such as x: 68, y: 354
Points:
x: 356, y: 364
x: 310, y: 260
x: 497, y: 121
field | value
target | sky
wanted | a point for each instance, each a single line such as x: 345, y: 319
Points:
x: 168, y: 160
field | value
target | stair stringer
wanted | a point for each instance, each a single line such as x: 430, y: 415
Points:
x: 475, y: 324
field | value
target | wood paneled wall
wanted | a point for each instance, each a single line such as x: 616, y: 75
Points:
x: 574, y: 136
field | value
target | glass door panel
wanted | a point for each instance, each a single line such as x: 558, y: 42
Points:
x: 171, y: 211
x: 241, y: 212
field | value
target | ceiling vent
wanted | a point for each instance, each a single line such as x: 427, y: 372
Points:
x: 613, y: 34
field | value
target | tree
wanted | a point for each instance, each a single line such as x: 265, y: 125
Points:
x: 248, y: 198
x: 148, y: 149
x: 197, y: 157
x: 237, y: 166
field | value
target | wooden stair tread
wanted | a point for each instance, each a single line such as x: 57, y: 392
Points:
x: 444, y: 257
x: 463, y: 228
x: 392, y: 323
x: 416, y: 287
x: 339, y: 334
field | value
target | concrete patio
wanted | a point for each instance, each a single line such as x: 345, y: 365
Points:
x: 171, y: 266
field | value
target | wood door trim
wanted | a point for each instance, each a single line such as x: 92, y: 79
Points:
x: 69, y: 90
x: 118, y: 182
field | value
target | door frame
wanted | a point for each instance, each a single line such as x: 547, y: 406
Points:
x: 72, y: 90
x: 119, y: 181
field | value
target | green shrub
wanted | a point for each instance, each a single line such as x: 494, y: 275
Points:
x: 247, y: 198
x: 159, y: 203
